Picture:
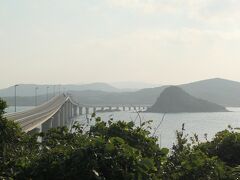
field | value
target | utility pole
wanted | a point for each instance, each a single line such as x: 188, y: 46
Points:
x: 47, y: 92
x: 59, y: 89
x: 54, y: 92
x: 36, y: 88
x: 15, y: 99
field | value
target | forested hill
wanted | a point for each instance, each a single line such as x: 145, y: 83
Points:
x: 174, y: 100
x: 219, y: 91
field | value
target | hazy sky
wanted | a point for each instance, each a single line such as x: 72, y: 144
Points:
x: 155, y: 41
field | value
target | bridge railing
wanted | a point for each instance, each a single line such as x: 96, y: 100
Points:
x: 32, y: 118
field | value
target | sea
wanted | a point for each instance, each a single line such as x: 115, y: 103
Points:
x: 205, y: 125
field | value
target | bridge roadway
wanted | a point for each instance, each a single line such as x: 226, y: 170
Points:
x: 58, y: 111
x: 30, y: 119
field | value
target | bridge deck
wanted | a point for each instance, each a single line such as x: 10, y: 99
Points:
x: 32, y: 118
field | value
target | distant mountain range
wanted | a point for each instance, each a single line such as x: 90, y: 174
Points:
x: 219, y: 91
x: 29, y: 89
x: 133, y: 86
x: 175, y: 100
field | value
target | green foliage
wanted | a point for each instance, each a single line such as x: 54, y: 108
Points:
x: 108, y: 151
x: 188, y: 162
x: 225, y: 145
x: 10, y: 135
x: 114, y: 150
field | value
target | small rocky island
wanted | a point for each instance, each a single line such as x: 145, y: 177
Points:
x: 174, y: 100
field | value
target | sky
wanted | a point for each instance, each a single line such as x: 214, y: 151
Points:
x: 152, y: 41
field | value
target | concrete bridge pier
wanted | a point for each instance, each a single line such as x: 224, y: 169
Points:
x: 75, y: 111
x: 80, y: 110
x: 87, y: 110
x: 65, y: 113
x: 69, y: 111
x: 47, y: 125
x: 62, y: 115
x: 124, y: 108
x: 56, y: 120
x: 94, y: 109
x: 102, y: 108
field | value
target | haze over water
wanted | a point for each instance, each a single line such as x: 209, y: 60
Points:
x: 199, y: 123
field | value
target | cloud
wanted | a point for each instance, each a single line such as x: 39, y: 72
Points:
x: 145, y: 6
x: 149, y: 45
x: 213, y: 12
x: 151, y: 53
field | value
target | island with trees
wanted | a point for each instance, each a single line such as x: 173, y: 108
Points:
x: 175, y: 100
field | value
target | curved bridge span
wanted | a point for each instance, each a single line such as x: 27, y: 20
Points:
x: 58, y: 111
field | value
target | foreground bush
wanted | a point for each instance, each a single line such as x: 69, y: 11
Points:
x: 114, y: 150
x: 106, y: 151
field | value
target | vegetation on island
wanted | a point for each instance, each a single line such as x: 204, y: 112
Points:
x: 220, y: 91
x: 175, y: 100
x: 114, y: 150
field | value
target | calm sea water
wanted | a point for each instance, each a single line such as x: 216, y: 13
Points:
x: 199, y: 123
x: 11, y: 109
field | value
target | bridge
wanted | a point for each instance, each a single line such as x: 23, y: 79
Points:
x: 86, y: 109
x: 60, y: 111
